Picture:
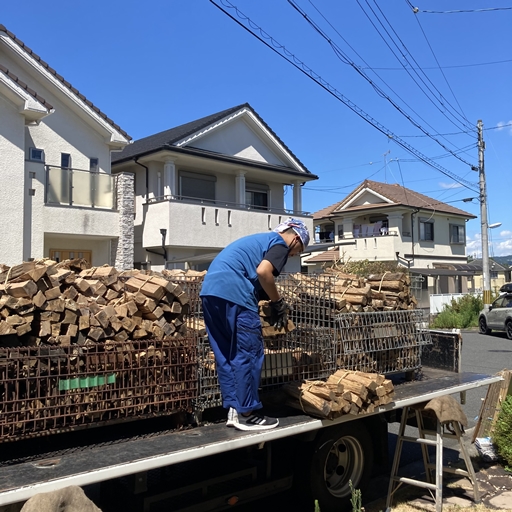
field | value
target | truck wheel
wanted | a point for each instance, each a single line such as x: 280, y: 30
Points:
x: 508, y: 329
x: 342, y: 454
x: 482, y: 326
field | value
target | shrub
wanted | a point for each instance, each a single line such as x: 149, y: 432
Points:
x: 502, y: 436
x: 460, y: 313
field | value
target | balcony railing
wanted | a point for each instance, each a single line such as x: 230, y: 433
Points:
x: 226, y: 204
x: 76, y: 187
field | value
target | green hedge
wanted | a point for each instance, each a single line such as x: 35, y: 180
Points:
x: 460, y: 314
x: 502, y: 436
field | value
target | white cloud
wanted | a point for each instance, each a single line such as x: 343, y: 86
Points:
x: 506, y: 234
x: 449, y: 185
x: 502, y: 125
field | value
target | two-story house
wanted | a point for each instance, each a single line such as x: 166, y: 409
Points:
x: 58, y: 196
x: 382, y: 222
x: 201, y: 185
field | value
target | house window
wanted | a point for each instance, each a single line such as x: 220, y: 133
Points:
x: 94, y: 165
x: 65, y: 160
x: 426, y: 229
x: 197, y: 186
x: 494, y: 274
x: 457, y: 234
x: 256, y: 196
x: 37, y: 155
x: 340, y: 231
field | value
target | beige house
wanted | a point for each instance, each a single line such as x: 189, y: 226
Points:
x: 58, y: 196
x: 382, y: 222
x: 202, y: 185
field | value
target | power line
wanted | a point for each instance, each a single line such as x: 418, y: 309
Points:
x: 416, y: 10
x: 298, y: 64
x: 342, y: 56
x: 446, y: 104
x: 446, y: 67
x: 439, y: 66
x: 497, y: 127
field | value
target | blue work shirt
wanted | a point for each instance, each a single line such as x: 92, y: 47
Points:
x: 232, y: 274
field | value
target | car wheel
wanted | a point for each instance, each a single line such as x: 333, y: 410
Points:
x: 482, y: 325
x: 508, y: 329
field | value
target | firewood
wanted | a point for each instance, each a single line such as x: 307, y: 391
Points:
x: 22, y: 289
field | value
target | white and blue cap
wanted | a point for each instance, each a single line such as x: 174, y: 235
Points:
x: 298, y: 226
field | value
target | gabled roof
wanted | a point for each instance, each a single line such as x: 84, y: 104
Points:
x: 24, y: 86
x: 326, y: 256
x: 173, y: 136
x: 395, y: 195
x: 63, y: 81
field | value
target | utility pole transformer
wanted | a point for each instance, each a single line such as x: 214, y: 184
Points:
x: 483, y: 216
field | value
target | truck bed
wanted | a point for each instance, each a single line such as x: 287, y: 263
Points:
x: 19, y: 480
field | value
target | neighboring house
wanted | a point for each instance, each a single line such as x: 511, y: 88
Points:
x: 204, y: 184
x: 58, y: 197
x: 382, y: 222
x: 499, y: 274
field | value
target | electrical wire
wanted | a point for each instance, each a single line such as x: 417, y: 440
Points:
x: 432, y: 97
x: 344, y: 58
x: 439, y: 66
x: 447, y: 67
x: 281, y: 50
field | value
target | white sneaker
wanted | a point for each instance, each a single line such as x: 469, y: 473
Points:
x: 232, y: 417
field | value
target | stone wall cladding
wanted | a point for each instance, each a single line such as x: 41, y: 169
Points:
x: 126, y: 207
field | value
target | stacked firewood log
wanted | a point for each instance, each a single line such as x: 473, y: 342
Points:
x: 389, y: 291
x: 347, y: 293
x: 344, y: 392
x: 45, y: 302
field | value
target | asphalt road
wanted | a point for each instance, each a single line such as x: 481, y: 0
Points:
x: 483, y: 354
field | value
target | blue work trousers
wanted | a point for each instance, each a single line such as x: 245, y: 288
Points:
x: 235, y: 336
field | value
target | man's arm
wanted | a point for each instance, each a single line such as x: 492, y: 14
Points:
x: 266, y: 278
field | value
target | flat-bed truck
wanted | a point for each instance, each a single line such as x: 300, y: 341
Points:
x: 211, y: 467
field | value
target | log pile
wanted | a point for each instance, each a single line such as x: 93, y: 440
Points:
x: 344, y: 392
x: 389, y: 291
x: 45, y: 302
x: 315, y: 299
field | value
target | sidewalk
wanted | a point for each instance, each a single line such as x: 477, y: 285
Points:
x: 494, y: 483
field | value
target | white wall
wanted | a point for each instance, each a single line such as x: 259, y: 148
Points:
x: 237, y: 139
x: 12, y: 188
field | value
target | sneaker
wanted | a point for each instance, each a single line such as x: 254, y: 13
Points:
x: 232, y: 417
x: 255, y: 422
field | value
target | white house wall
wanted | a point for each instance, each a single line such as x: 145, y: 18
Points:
x: 63, y: 131
x: 12, y: 189
x: 205, y: 226
x: 238, y: 139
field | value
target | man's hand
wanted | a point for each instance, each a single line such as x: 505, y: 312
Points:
x: 279, y: 318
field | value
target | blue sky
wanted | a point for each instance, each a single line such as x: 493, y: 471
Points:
x: 156, y: 64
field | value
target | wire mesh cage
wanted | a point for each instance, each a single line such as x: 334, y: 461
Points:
x: 45, y: 389
x: 381, y: 341
x: 305, y: 353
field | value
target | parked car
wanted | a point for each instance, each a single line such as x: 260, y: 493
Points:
x: 498, y: 316
x: 506, y: 288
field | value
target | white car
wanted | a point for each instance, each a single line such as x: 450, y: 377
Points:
x: 498, y: 316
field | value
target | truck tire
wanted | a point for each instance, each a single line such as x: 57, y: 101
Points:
x: 342, y: 454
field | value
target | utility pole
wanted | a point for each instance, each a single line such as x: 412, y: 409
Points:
x: 483, y: 216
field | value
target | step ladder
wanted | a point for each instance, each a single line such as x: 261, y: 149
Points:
x: 433, y: 484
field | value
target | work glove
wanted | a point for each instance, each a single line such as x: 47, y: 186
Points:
x: 279, y: 318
